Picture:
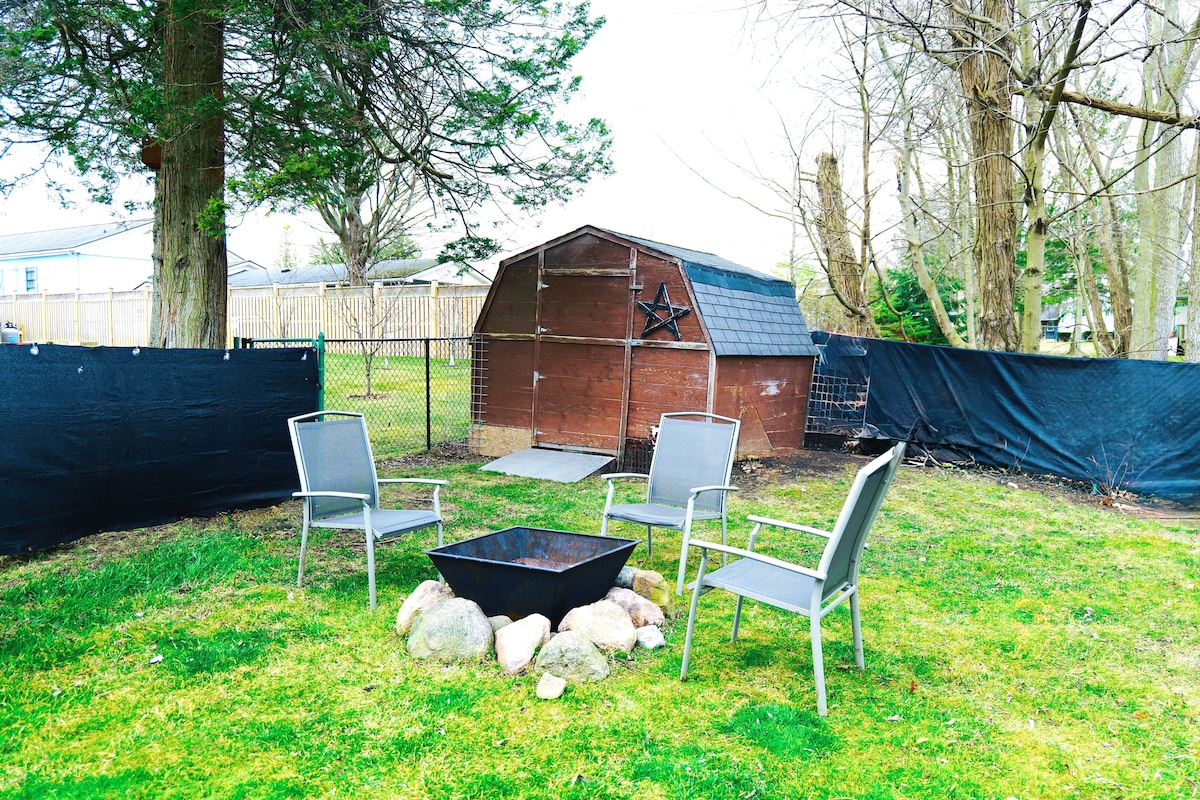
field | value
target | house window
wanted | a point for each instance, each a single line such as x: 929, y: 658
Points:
x: 31, y: 279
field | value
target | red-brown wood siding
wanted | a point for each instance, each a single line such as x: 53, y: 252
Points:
x: 588, y: 252
x: 593, y: 306
x: 512, y: 306
x: 651, y: 272
x: 579, y: 395
x: 507, y: 397
x: 769, y: 396
x: 664, y: 380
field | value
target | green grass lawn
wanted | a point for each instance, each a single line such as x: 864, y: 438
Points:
x: 395, y: 408
x: 1017, y: 645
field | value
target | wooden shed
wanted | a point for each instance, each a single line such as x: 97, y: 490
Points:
x: 584, y: 341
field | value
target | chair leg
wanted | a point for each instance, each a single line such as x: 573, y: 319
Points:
x: 604, y: 526
x: 856, y: 624
x: 649, y: 543
x: 683, y: 550
x: 303, y: 550
x: 439, y: 529
x: 687, y: 642
x: 737, y: 618
x: 818, y: 661
x: 371, y: 566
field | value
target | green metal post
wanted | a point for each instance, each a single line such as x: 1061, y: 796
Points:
x: 428, y: 404
x: 320, y: 345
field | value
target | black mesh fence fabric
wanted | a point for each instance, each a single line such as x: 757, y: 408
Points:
x: 102, y: 439
x: 1118, y: 423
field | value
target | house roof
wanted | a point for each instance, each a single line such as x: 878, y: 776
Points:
x: 251, y: 274
x: 64, y: 239
x: 747, y: 312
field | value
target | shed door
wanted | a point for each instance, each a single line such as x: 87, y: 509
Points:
x: 582, y: 357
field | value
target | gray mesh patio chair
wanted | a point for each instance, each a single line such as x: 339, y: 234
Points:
x: 812, y: 593
x: 340, y: 488
x: 688, y: 480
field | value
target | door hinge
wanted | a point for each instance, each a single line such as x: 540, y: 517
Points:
x: 543, y: 330
x: 537, y: 376
x: 542, y: 286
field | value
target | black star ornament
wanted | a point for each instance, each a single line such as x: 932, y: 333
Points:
x: 662, y: 302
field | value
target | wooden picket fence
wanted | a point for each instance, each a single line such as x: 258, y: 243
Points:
x: 122, y: 319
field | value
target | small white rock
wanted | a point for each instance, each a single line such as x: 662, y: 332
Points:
x: 156, y: 659
x: 550, y: 687
x: 650, y: 637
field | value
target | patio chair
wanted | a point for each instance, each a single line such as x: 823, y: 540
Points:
x: 340, y: 488
x: 688, y: 479
x: 812, y: 593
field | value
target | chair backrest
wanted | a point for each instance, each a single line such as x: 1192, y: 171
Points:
x: 333, y: 454
x: 841, y: 557
x: 690, y: 453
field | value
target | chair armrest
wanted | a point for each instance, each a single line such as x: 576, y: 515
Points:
x: 428, y: 481
x: 700, y: 489
x: 740, y: 553
x: 347, y: 495
x: 791, y: 526
x: 614, y: 475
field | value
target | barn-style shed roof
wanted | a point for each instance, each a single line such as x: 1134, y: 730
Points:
x: 748, y: 313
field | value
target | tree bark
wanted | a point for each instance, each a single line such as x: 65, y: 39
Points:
x: 190, y: 270
x: 846, y: 273
x: 986, y: 80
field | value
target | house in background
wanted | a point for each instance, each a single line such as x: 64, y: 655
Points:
x: 90, y: 258
x: 391, y: 272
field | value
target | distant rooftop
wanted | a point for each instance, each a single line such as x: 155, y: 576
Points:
x: 64, y: 239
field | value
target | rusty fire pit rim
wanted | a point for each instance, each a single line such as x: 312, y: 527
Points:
x: 440, y: 550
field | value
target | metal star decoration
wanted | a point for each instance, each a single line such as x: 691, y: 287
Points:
x: 662, y: 302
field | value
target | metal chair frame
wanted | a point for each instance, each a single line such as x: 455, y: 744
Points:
x: 372, y: 520
x: 799, y: 589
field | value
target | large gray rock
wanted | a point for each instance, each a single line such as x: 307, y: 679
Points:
x: 641, y: 611
x: 517, y: 642
x: 453, y: 630
x: 427, y: 594
x: 625, y: 577
x: 603, y: 623
x: 572, y: 658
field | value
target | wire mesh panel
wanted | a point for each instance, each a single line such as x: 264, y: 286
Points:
x: 413, y: 393
x: 837, y: 405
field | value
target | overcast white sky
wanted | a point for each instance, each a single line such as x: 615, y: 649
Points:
x: 677, y: 80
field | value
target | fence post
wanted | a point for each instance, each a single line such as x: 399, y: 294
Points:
x: 428, y: 403
x: 321, y: 371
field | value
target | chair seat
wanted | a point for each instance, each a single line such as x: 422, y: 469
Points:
x: 766, y: 583
x: 384, y: 521
x: 657, y: 515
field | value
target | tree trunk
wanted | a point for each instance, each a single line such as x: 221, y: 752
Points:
x: 190, y: 274
x: 1192, y: 347
x: 987, y: 88
x: 1110, y: 238
x: 846, y: 273
x: 912, y: 235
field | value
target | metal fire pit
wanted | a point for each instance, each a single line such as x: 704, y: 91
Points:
x: 523, y: 571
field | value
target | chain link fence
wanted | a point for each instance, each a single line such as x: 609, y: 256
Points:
x: 414, y: 393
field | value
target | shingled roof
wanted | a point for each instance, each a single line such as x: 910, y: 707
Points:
x: 747, y: 312
x: 63, y: 239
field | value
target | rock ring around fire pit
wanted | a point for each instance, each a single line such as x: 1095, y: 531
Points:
x: 521, y: 571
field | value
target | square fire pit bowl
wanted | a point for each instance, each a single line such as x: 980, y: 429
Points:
x: 523, y: 571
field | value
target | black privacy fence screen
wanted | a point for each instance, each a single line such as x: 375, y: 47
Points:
x: 1117, y: 423
x: 114, y: 438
